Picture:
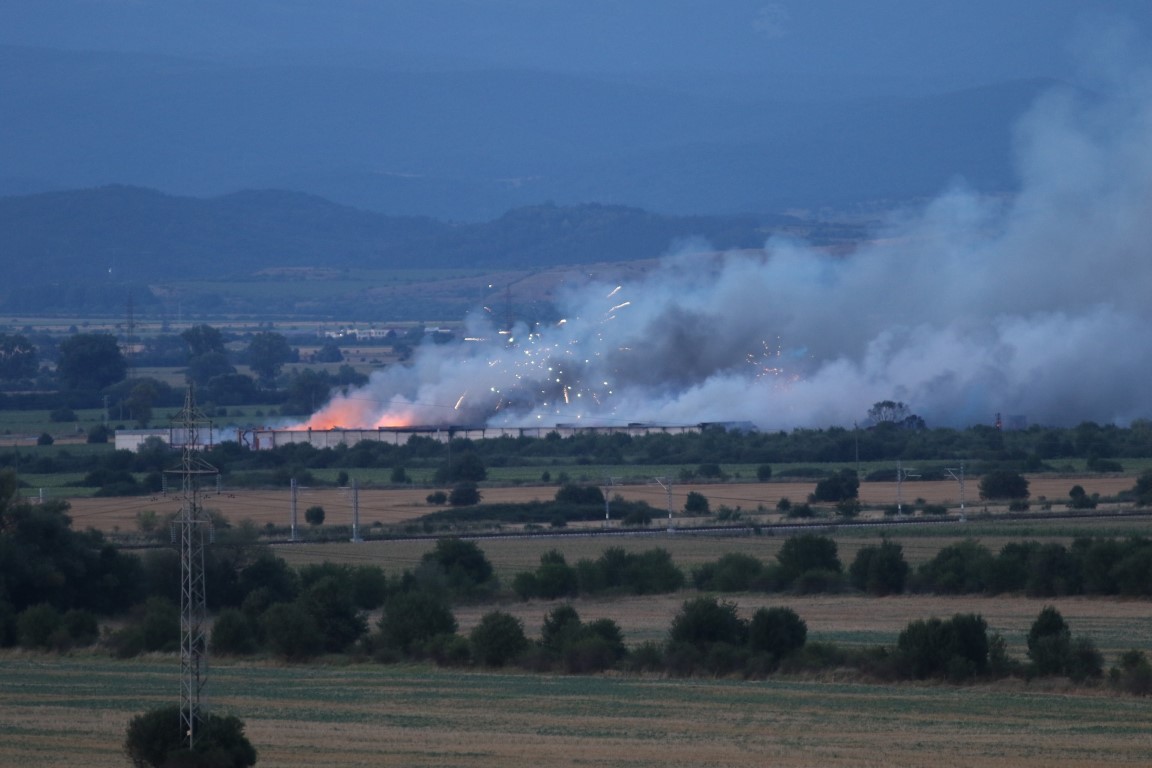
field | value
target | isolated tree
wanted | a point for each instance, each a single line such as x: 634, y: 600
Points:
x: 90, y: 361
x: 498, y: 639
x: 203, y: 369
x: 888, y: 411
x: 1143, y: 488
x: 879, y: 570
x: 838, y: 487
x: 462, y: 562
x: 1049, y: 642
x: 229, y: 389
x: 464, y: 495
x: 776, y: 631
x: 155, y: 739
x: 411, y: 619
x: 703, y: 621
x: 696, y: 504
x: 1003, y: 484
x: 267, y: 353
x: 561, y: 624
x: 329, y: 352
x: 307, y: 391
x: 570, y: 493
x: 202, y: 339
x: 314, y: 515
x: 18, y: 357
x: 955, y: 648
x: 1078, y: 498
x: 466, y: 467
x: 140, y: 400
x: 808, y: 552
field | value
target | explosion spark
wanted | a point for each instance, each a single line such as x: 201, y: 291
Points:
x: 1036, y: 307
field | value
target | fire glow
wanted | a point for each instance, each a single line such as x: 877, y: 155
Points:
x: 962, y: 309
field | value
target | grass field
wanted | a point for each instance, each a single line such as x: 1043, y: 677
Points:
x: 73, y: 711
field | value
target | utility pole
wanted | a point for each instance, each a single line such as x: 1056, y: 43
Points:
x: 607, y: 491
x: 194, y: 526
x: 295, y: 497
x: 666, y: 484
x: 901, y: 475
x: 356, y: 512
x: 959, y: 479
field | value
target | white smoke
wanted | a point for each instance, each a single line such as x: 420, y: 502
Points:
x: 1038, y: 306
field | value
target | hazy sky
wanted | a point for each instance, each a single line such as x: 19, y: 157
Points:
x: 884, y: 43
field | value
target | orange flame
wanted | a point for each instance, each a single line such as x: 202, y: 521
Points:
x: 352, y: 414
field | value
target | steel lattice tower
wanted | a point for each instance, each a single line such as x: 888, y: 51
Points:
x: 194, y: 527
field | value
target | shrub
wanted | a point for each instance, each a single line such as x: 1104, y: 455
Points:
x: 776, y: 631
x: 570, y: 493
x: 1003, y: 484
x: 956, y: 569
x: 879, y: 570
x: 314, y: 515
x: 463, y: 563
x: 156, y: 739
x: 696, y: 504
x: 733, y: 572
x: 234, y: 633
x: 498, y: 639
x: 464, y: 495
x: 439, y: 498
x: 764, y: 473
x: 1134, y: 674
x: 807, y: 552
x: 1084, y: 660
x: 955, y: 648
x: 291, y: 631
x: 39, y: 626
x: 1049, y: 642
x: 840, y: 486
x: 411, y: 619
x: 1078, y: 498
x: 703, y: 621
x: 155, y: 626
x: 1143, y: 488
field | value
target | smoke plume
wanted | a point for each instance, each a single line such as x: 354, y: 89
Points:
x: 1037, y: 306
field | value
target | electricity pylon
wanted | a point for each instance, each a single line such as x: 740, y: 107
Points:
x: 194, y: 527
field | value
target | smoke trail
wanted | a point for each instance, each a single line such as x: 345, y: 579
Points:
x: 963, y: 309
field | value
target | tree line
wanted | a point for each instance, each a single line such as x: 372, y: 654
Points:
x: 56, y: 583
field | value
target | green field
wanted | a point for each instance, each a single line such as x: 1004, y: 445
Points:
x: 73, y: 711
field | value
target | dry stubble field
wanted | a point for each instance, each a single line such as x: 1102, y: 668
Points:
x: 391, y: 506
x: 72, y: 711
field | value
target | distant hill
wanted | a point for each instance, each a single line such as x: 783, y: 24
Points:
x: 78, y: 249
x: 472, y: 144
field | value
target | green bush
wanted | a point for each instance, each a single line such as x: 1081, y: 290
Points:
x: 498, y: 639
x: 807, y: 552
x: 879, y: 570
x: 234, y: 633
x: 777, y: 632
x: 1049, y: 642
x: 156, y: 739
x: 411, y: 619
x: 1134, y: 675
x: 956, y: 648
x: 703, y: 621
